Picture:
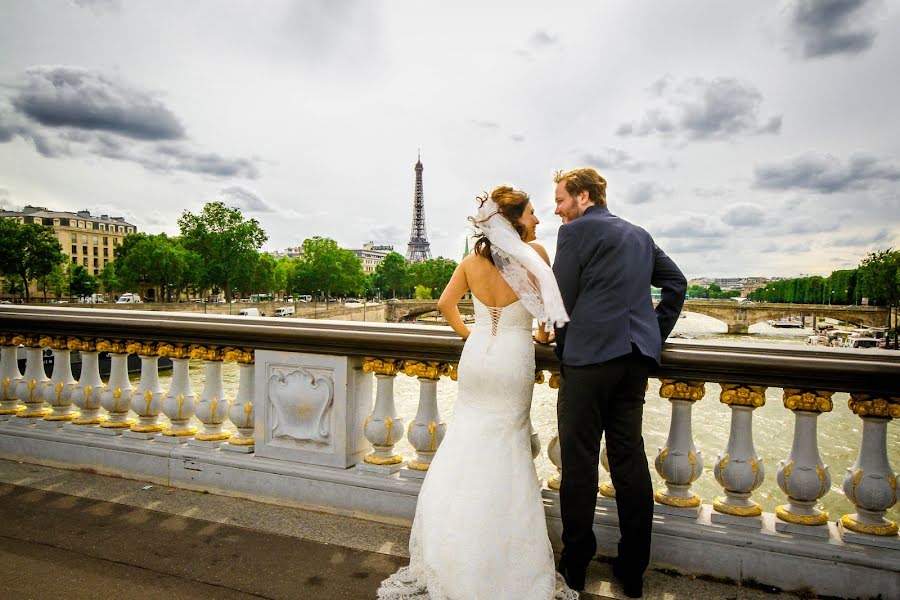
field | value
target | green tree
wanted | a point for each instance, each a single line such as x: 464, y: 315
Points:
x: 226, y: 242
x: 109, y: 279
x: 879, y: 277
x: 423, y: 293
x: 433, y: 273
x: 56, y: 281
x: 29, y: 251
x: 326, y: 268
x: 82, y: 283
x: 391, y: 274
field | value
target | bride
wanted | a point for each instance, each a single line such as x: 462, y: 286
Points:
x: 479, y: 531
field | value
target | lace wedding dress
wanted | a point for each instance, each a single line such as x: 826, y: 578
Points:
x: 479, y: 532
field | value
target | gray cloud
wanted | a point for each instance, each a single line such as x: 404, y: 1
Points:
x: 689, y: 246
x: 543, y: 39
x: 390, y: 234
x: 798, y: 248
x: 612, y: 158
x: 57, y: 96
x: 485, y: 124
x: 744, y: 215
x: 244, y: 199
x: 645, y: 192
x: 700, y: 109
x: 99, y: 7
x: 690, y: 226
x: 768, y: 248
x: 813, y: 225
x: 72, y: 111
x: 517, y: 137
x: 879, y: 236
x: 826, y: 174
x: 826, y: 27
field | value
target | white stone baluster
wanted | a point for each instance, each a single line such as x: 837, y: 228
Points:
x: 146, y: 401
x: 553, y: 451
x: 679, y: 463
x: 116, y: 398
x: 62, y: 382
x: 870, y: 483
x: 384, y: 427
x: 31, y: 387
x: 9, y: 378
x: 89, y: 390
x: 178, y: 404
x: 534, y: 438
x: 212, y: 407
x: 803, y: 476
x: 241, y: 413
x: 739, y: 470
x: 426, y: 430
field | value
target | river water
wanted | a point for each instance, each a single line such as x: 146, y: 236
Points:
x: 839, y: 431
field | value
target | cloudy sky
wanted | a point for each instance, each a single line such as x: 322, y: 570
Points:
x: 748, y: 138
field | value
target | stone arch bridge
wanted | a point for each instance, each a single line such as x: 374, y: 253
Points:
x: 737, y: 316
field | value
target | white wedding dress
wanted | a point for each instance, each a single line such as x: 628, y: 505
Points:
x: 479, y: 532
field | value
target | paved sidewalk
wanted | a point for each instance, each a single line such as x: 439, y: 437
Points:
x: 74, y: 535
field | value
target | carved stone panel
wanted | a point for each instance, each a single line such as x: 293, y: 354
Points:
x: 309, y: 406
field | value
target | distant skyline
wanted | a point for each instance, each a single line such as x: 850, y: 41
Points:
x: 748, y: 139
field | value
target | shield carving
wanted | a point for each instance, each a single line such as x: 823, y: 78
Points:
x: 302, y: 403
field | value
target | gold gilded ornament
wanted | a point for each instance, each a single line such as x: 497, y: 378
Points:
x: 867, y: 405
x: 554, y: 380
x: 173, y: 350
x: 785, y: 515
x: 736, y: 394
x: 382, y: 366
x: 721, y: 505
x: 808, y: 400
x: 889, y: 528
x: 675, y: 389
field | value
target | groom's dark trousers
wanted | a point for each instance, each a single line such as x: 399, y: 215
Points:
x: 597, y: 400
x: 605, y: 266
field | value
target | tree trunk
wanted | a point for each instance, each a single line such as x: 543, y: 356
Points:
x: 25, y: 287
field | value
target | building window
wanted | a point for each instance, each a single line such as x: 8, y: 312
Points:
x: 74, y: 260
x: 84, y: 250
x: 115, y: 241
x: 131, y: 230
x: 74, y: 250
x: 96, y: 240
x: 106, y: 252
x: 74, y: 238
x: 96, y: 263
x: 105, y: 262
x: 105, y: 241
x: 121, y: 229
x: 96, y: 271
x: 102, y: 226
x: 56, y: 222
x: 96, y: 251
x: 81, y: 224
x: 83, y: 239
x: 84, y: 261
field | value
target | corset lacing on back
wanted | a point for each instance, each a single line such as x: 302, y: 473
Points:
x: 495, y: 312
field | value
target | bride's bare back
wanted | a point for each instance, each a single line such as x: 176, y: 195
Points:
x: 477, y: 274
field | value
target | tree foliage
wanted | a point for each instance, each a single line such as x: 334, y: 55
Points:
x: 432, y: 274
x: 29, y: 251
x: 82, y: 283
x: 227, y: 243
x: 391, y: 275
x: 877, y: 279
x: 327, y: 269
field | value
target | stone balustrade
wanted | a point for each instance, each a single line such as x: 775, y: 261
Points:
x: 306, y: 426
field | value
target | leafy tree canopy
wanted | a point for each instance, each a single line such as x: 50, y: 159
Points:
x: 29, y: 251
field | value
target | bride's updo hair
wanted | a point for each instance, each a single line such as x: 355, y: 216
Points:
x: 511, y: 205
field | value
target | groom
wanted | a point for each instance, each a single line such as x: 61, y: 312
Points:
x: 605, y: 267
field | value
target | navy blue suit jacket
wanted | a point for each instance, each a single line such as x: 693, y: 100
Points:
x: 605, y: 267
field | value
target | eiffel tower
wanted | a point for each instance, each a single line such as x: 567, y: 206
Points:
x: 418, y: 249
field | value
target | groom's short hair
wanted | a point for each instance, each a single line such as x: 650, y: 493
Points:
x: 584, y: 180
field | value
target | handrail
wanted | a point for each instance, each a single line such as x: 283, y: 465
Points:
x: 841, y: 370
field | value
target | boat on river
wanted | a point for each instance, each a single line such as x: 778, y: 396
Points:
x: 789, y: 322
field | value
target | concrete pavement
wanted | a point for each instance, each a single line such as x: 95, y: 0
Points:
x: 75, y: 535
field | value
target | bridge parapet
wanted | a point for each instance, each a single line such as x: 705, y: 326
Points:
x: 314, y: 421
x: 740, y: 316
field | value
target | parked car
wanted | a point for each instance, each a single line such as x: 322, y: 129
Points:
x: 284, y: 311
x: 129, y: 298
x: 249, y: 312
x: 304, y: 298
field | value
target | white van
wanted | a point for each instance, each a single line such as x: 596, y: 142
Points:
x: 129, y: 298
x: 248, y: 312
x: 284, y: 311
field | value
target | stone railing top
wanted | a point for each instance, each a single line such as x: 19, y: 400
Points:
x: 778, y: 365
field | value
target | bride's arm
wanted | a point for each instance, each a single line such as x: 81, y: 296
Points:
x: 456, y: 288
x: 541, y: 336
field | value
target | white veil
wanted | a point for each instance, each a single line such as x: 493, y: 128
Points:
x: 523, y: 269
